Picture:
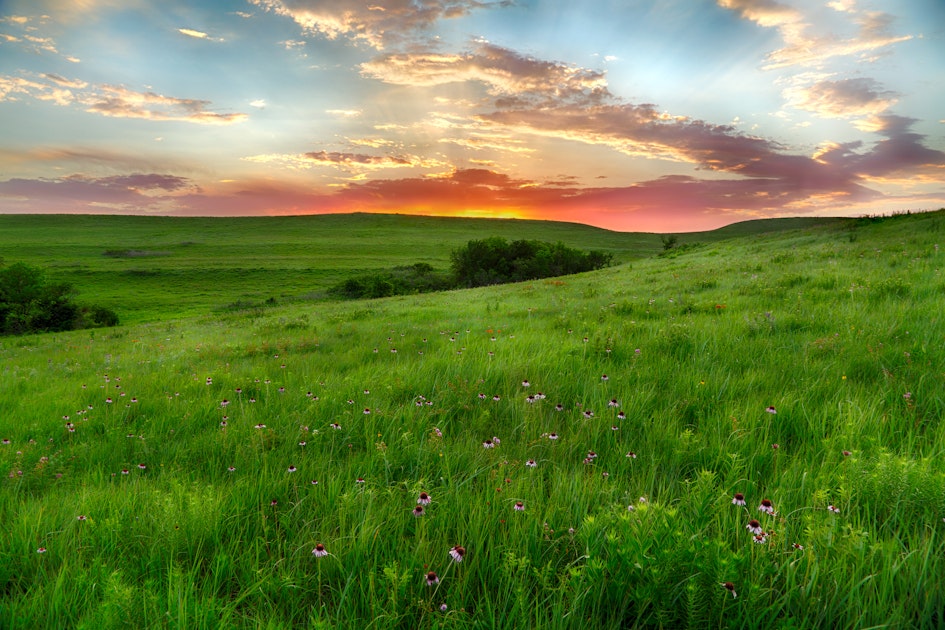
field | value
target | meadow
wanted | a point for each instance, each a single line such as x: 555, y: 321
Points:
x: 745, y: 433
x: 154, y: 268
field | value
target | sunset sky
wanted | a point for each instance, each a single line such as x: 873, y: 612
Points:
x: 655, y: 115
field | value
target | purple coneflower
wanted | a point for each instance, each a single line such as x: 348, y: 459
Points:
x: 319, y: 551
x: 81, y: 517
x: 766, y: 506
x: 423, y: 499
x: 728, y: 586
x: 738, y: 499
x: 833, y: 508
x: 292, y: 469
x: 771, y: 410
x: 531, y: 463
x: 754, y: 527
x: 457, y: 553
x: 488, y: 444
x: 519, y: 506
x: 797, y: 546
x: 359, y: 480
x: 432, y: 578
x: 552, y: 436
x: 613, y: 403
x: 418, y: 510
x: 41, y: 550
x: 631, y: 455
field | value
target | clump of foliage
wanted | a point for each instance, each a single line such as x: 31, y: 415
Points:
x: 404, y: 280
x: 496, y: 261
x: 31, y: 303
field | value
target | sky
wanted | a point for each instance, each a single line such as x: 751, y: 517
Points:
x: 632, y: 115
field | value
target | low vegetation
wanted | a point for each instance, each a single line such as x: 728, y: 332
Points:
x: 748, y: 434
x: 30, y: 303
x: 479, y: 263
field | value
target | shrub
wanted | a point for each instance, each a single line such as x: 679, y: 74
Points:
x: 495, y: 260
x: 28, y: 303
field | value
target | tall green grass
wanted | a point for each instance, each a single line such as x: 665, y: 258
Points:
x: 838, y: 331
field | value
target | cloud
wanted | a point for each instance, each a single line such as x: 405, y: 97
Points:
x: 505, y: 72
x: 344, y: 113
x: 81, y: 193
x: 845, y: 98
x: 378, y: 25
x: 191, y: 33
x: 804, y: 46
x: 354, y: 162
x: 114, y: 101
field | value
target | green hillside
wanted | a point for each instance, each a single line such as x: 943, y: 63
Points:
x: 585, y: 440
x: 152, y: 268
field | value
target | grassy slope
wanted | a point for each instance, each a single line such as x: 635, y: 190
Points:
x: 839, y: 330
x: 253, y: 259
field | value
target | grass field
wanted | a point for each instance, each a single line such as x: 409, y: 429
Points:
x: 583, y: 439
x: 155, y: 268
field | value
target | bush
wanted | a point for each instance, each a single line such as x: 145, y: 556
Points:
x: 28, y: 303
x: 495, y: 260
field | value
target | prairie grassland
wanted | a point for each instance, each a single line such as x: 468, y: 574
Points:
x: 183, y: 473
x: 155, y: 268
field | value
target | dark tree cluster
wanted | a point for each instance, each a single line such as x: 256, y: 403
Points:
x: 29, y: 303
x: 478, y: 263
x: 496, y: 260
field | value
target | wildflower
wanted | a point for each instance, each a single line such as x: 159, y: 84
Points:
x: 833, y: 508
x: 41, y: 550
x: 605, y: 474
x: 559, y: 407
x: 302, y: 443
x: 81, y: 517
x: 444, y: 607
x: 588, y: 414
x: 319, y: 551
x: 530, y: 399
x: 423, y: 499
x: 771, y: 410
x: 367, y: 411
x: 335, y: 426
x: 775, y: 446
x: 418, y: 510
x: 754, y: 527
x: 292, y: 469
x: 631, y: 508
x: 273, y: 503
x: 525, y: 383
x: 141, y: 466
x: 798, y: 546
x: 531, y: 463
x: 224, y: 402
x: 728, y: 586
x: 847, y: 453
x: 613, y: 403
x: 457, y: 553
x: 761, y: 538
x: 482, y: 396
x: 432, y: 578
x: 223, y: 424
x: 359, y: 480
x: 519, y: 506
x: 231, y: 468
x: 642, y: 499
x: 496, y: 398
x: 766, y: 506
x: 488, y: 444
x: 552, y: 436
x: 631, y: 455
x: 604, y: 377
x: 614, y: 428
x: 314, y: 482
x: 621, y: 415
x: 738, y: 499
x: 591, y: 455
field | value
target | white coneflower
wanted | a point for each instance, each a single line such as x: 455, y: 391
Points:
x: 457, y: 553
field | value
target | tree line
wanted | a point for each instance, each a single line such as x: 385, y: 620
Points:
x: 479, y: 263
x: 29, y: 302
